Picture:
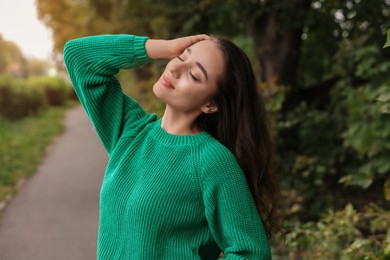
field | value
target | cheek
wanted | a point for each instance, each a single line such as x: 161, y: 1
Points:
x: 199, y: 97
x: 205, y: 92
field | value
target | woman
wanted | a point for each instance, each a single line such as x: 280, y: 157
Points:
x: 194, y: 183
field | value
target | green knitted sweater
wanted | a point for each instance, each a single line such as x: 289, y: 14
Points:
x: 163, y: 196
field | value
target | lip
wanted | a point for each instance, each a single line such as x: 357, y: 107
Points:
x: 166, y: 82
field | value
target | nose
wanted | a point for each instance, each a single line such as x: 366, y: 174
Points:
x: 176, y: 69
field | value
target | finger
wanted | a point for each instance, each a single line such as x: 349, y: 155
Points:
x: 203, y: 36
x: 180, y: 44
x: 199, y: 37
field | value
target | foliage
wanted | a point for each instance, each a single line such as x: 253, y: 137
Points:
x: 56, y: 90
x: 20, y: 97
x: 387, y: 44
x: 36, y: 67
x: 343, y: 234
x: 17, y: 99
x: 368, y: 133
x: 333, y: 143
x: 72, y: 19
x: 10, y: 55
x: 328, y: 24
x: 13, y: 62
x: 173, y: 18
x: 363, y: 91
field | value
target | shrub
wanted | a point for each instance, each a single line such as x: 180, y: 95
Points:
x: 344, y: 234
x: 56, y: 90
x: 17, y: 99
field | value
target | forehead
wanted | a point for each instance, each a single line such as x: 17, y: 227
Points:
x: 209, y: 55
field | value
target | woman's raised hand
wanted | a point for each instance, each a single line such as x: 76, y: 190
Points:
x: 179, y: 45
x: 169, y: 49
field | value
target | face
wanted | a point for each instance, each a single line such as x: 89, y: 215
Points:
x: 189, y: 81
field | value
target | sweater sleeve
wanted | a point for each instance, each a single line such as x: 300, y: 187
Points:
x: 92, y: 63
x: 230, y: 209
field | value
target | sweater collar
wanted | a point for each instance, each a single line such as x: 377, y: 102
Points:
x: 170, y: 139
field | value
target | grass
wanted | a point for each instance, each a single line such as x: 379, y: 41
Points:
x: 23, y: 144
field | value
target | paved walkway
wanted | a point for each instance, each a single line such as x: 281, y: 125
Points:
x: 55, y: 215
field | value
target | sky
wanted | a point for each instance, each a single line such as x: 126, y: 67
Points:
x: 19, y: 24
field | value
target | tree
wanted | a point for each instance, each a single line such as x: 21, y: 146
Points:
x: 274, y: 26
x: 269, y: 23
x: 36, y: 67
x: 66, y: 19
x: 333, y: 140
x: 10, y: 54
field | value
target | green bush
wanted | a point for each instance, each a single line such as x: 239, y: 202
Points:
x: 333, y: 140
x: 368, y: 133
x: 17, y: 99
x: 344, y: 234
x: 20, y: 97
x: 56, y: 90
x: 333, y: 147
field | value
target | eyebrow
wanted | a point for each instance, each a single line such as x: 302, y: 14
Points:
x: 199, y: 65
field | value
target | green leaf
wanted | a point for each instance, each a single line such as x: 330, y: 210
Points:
x: 387, y: 44
x: 362, y: 181
x: 359, y: 243
x: 387, y: 250
x: 346, y: 179
x: 384, y: 97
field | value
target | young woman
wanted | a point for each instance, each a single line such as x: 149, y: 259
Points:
x: 196, y: 182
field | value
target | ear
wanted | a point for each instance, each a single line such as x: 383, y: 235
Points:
x: 209, y: 108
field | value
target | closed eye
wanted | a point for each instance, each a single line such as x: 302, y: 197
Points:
x: 193, y: 77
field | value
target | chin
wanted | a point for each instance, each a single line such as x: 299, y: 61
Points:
x: 158, y: 92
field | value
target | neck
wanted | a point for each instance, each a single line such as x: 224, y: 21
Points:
x: 179, y: 123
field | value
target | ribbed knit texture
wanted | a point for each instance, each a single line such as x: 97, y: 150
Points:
x: 163, y: 196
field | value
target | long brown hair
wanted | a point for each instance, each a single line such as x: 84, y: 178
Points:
x: 242, y: 125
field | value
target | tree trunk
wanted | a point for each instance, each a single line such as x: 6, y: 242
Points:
x: 277, y: 44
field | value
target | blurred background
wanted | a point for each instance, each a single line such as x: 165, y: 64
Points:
x: 321, y: 67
